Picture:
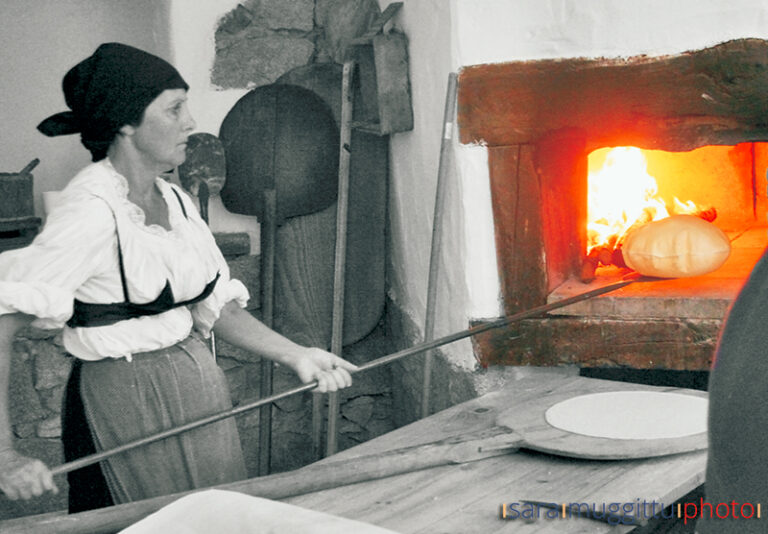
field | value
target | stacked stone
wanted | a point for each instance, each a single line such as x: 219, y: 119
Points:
x: 260, y: 40
x: 39, y: 372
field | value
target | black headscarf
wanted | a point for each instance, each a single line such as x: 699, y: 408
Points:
x: 108, y: 90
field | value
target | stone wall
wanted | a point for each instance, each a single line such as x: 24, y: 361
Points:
x: 451, y: 384
x: 260, y: 40
x: 39, y: 371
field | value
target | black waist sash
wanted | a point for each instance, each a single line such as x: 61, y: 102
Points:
x: 87, y: 314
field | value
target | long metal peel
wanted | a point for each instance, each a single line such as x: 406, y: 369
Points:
x: 416, y: 349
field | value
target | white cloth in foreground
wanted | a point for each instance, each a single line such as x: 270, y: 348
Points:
x: 231, y: 512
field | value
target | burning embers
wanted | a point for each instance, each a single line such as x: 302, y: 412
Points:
x: 623, y: 196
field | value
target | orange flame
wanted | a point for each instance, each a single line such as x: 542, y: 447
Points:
x: 623, y: 194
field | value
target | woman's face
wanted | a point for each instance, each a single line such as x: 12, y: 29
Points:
x: 161, y: 136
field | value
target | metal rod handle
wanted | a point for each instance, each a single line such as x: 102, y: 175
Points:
x: 416, y: 349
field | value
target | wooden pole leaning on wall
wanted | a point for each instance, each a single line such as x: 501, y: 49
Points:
x: 449, y: 117
x: 268, y: 239
x: 340, y: 258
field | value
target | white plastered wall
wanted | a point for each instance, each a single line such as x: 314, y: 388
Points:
x: 40, y: 41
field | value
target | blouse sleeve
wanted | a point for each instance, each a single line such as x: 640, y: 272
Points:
x: 41, y: 279
x: 206, y: 312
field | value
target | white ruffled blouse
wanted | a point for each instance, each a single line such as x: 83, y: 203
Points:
x: 75, y: 257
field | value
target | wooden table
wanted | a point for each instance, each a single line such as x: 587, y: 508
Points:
x: 459, y: 498
x: 467, y: 498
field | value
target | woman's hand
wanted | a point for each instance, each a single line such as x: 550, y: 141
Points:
x: 330, y: 371
x: 240, y: 328
x: 23, y: 477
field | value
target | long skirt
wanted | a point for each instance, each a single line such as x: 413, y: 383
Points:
x: 123, y: 401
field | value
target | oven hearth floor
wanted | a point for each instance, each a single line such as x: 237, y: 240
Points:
x: 701, y: 297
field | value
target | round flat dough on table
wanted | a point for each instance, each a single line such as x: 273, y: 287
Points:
x: 631, y: 415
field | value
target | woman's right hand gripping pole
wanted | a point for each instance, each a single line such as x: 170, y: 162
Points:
x: 20, y: 476
x: 23, y: 477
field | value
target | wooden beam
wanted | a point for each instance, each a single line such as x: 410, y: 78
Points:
x: 517, y: 213
x: 676, y: 344
x: 711, y: 96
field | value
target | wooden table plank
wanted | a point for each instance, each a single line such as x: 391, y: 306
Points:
x: 467, y: 498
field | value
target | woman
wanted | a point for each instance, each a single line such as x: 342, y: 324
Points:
x: 127, y: 266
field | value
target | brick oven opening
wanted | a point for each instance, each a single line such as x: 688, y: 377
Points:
x: 725, y: 185
x: 700, y: 118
